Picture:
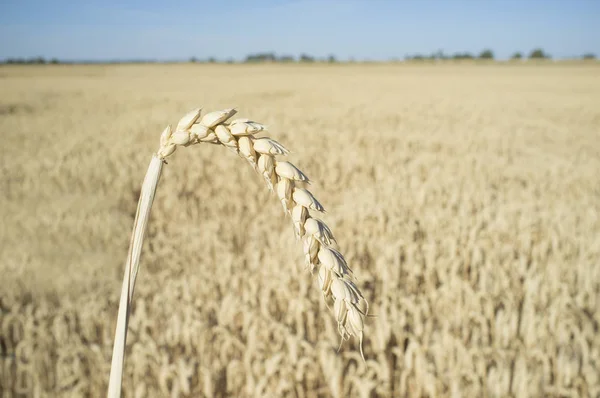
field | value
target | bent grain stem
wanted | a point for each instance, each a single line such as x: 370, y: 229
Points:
x: 131, y: 268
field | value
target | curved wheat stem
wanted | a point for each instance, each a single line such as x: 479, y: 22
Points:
x: 282, y: 177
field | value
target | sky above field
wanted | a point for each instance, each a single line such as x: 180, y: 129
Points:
x: 374, y: 30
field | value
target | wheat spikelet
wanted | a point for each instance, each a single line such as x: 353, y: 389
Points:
x: 320, y: 247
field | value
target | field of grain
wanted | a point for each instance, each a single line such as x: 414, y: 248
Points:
x: 466, y: 199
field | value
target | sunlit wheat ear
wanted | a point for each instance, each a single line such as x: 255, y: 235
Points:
x: 286, y: 180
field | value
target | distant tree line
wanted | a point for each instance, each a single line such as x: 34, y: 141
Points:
x: 487, y: 54
x: 31, y: 61
x: 43, y: 61
x: 271, y: 57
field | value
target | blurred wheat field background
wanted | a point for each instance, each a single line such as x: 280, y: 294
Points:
x: 466, y: 199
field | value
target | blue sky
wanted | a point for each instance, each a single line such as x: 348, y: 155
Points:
x: 376, y: 29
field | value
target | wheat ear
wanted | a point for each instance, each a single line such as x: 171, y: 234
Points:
x: 319, y: 245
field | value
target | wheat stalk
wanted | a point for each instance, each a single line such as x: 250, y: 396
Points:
x: 319, y: 245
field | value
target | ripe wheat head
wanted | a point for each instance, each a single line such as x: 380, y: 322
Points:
x: 335, y: 277
x: 320, y: 247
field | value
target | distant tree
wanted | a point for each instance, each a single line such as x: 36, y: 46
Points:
x: 306, y: 58
x: 212, y: 60
x: 417, y: 57
x: 261, y: 57
x: 538, y: 53
x: 486, y: 54
x: 517, y: 55
x: 331, y: 59
x: 464, y: 55
x: 54, y: 61
x: 193, y: 60
x: 589, y: 56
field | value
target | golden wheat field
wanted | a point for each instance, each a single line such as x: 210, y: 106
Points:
x: 466, y: 199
